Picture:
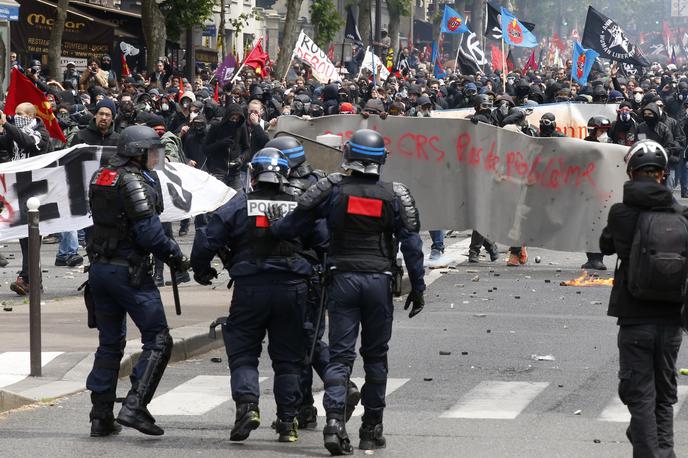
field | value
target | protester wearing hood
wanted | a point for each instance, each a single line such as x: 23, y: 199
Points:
x: 624, y: 130
x: 676, y: 149
x: 330, y: 98
x: 548, y: 126
x: 227, y: 147
x: 101, y: 128
x: 652, y: 128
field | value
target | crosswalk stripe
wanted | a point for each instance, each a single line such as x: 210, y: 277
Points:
x: 197, y: 396
x: 496, y: 400
x: 393, y: 384
x: 616, y: 411
x: 15, y: 366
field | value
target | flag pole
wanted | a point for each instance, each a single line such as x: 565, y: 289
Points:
x: 503, y: 67
x: 456, y: 60
x: 288, y: 68
x: 360, y: 69
x: 341, y: 60
x: 238, y: 72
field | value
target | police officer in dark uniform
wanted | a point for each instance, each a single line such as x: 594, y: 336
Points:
x: 301, y: 177
x: 125, y: 201
x: 367, y: 219
x: 270, y: 289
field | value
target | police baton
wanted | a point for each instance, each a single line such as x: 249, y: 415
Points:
x: 175, y: 291
x: 321, y: 310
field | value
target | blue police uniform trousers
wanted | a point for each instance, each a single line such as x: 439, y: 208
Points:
x: 274, y: 303
x: 114, y: 299
x: 365, y: 299
x: 321, y: 355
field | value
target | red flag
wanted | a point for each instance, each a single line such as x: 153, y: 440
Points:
x: 509, y: 62
x: 330, y: 52
x: 258, y: 59
x: 531, y: 64
x: 216, y: 96
x: 181, y: 90
x: 556, y: 41
x: 23, y: 90
x: 497, y: 63
x: 125, y: 68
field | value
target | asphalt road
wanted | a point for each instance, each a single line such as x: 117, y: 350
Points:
x: 488, y: 397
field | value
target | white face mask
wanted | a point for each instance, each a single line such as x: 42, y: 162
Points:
x: 603, y: 138
x: 638, y: 97
x: 193, y: 115
x: 164, y: 107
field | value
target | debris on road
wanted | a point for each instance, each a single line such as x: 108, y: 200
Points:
x: 216, y: 359
x: 445, y: 353
x: 588, y: 280
x: 479, y: 315
x: 538, y: 259
x: 542, y: 357
x: 578, y: 412
x: 476, y: 278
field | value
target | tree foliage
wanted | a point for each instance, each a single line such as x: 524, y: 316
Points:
x: 327, y: 21
x: 182, y: 14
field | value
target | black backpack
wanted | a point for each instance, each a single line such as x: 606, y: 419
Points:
x: 658, y: 265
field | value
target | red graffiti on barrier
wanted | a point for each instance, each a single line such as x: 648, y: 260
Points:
x: 552, y: 173
x: 418, y: 145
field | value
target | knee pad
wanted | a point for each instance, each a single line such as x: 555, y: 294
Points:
x: 284, y: 368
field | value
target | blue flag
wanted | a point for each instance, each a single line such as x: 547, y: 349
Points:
x: 436, y: 64
x: 514, y: 33
x: 453, y: 22
x: 583, y: 60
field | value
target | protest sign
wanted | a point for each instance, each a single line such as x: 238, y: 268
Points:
x: 61, y: 179
x: 310, y: 53
x: 547, y: 192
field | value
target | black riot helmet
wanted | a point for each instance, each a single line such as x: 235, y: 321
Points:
x: 598, y: 122
x: 269, y: 165
x: 290, y: 147
x: 548, y: 122
x: 646, y: 154
x: 482, y: 102
x: 365, y: 152
x: 136, y: 141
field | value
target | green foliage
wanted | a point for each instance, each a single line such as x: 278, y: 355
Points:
x: 327, y: 21
x: 402, y: 6
x: 182, y: 14
x: 241, y: 22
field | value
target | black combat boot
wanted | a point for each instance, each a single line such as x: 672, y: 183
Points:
x: 134, y: 414
x: 247, y: 419
x: 370, y: 434
x: 473, y: 256
x: 353, y: 396
x: 287, y: 430
x: 308, y: 417
x: 101, y: 416
x: 493, y: 251
x: 335, y: 436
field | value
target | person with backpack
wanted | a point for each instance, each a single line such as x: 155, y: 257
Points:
x: 649, y: 233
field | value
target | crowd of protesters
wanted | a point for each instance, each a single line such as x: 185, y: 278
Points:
x: 218, y: 128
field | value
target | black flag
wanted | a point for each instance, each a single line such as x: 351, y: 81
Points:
x: 493, y: 27
x: 351, y: 30
x: 607, y: 38
x: 471, y: 56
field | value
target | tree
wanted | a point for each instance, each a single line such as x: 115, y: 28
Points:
x: 55, y: 47
x: 396, y: 9
x: 154, y: 31
x: 290, y: 33
x: 327, y: 22
x: 364, y: 25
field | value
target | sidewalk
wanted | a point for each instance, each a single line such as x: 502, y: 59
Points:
x: 68, y: 345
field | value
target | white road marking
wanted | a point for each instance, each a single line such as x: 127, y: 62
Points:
x: 393, y: 384
x: 616, y: 411
x: 496, y: 400
x: 197, y: 396
x: 15, y: 366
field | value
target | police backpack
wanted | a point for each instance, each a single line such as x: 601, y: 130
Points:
x: 658, y: 265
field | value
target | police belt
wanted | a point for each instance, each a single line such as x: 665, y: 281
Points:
x: 113, y: 261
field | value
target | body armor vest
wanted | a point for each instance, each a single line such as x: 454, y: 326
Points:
x: 361, y: 232
x: 257, y: 244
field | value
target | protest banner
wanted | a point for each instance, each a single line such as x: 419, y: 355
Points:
x: 310, y: 53
x: 547, y: 192
x: 61, y: 179
x: 572, y: 118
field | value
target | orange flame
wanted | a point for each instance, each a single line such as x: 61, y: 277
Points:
x: 588, y: 280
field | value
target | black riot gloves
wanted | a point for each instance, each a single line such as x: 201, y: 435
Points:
x: 274, y: 213
x: 205, y: 278
x: 179, y: 263
x: 415, y: 298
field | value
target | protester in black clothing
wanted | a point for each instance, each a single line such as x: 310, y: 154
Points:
x: 227, y: 147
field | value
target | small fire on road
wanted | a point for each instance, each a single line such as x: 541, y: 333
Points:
x: 588, y: 280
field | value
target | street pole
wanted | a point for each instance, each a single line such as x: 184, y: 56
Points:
x: 35, y: 289
x: 378, y: 24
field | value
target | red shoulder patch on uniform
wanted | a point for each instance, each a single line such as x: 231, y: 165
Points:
x: 262, y: 221
x: 107, y: 177
x: 364, y: 207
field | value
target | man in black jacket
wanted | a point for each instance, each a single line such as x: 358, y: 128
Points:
x: 227, y: 147
x: 649, y: 331
x: 101, y: 129
x: 21, y: 137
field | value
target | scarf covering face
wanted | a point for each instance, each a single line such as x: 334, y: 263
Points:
x: 28, y: 126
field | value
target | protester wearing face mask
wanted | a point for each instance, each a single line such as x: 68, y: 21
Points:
x: 624, y: 130
x: 22, y: 136
x: 675, y: 149
x: 227, y: 147
x: 548, y: 126
x: 652, y: 128
x: 181, y: 116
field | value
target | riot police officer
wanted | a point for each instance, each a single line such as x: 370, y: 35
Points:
x: 367, y: 219
x: 125, y: 201
x: 270, y: 287
x: 301, y: 177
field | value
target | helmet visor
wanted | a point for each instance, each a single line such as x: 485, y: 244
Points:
x: 155, y: 158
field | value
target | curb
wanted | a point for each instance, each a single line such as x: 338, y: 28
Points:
x: 188, y: 341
